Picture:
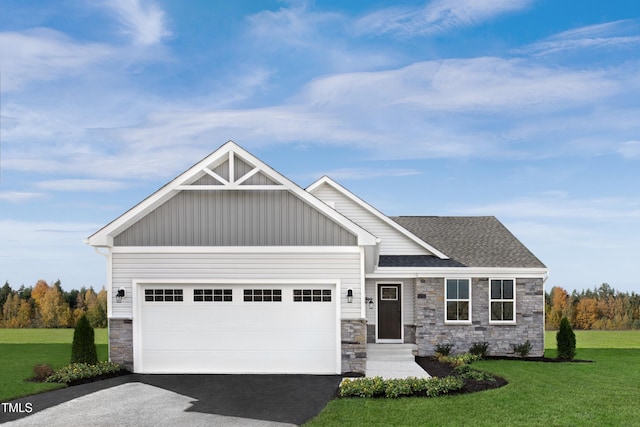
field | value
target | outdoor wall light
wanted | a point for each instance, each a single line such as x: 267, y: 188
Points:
x: 120, y: 295
x: 369, y: 301
x: 349, y: 296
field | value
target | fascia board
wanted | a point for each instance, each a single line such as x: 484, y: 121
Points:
x: 326, y: 180
x: 399, y: 272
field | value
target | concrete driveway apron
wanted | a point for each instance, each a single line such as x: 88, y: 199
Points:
x: 171, y: 400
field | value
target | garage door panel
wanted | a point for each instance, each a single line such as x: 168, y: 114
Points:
x: 238, y: 336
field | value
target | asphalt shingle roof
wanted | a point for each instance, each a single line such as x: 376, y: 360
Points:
x: 480, y: 241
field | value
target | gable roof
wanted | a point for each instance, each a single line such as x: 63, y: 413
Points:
x: 325, y: 180
x: 472, y: 241
x: 230, y: 167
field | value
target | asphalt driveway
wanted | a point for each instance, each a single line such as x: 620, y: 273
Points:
x: 168, y: 400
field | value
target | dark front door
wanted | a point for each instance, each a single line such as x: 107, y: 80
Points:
x: 389, y: 312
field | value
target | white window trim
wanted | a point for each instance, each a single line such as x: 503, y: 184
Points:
x: 503, y: 322
x: 458, y: 322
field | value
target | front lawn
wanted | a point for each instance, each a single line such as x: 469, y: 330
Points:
x: 605, y: 392
x: 22, y: 349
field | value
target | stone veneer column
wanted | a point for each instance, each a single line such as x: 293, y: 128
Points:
x: 431, y: 329
x: 354, y: 346
x: 121, y: 342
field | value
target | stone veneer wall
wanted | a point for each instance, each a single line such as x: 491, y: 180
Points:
x: 121, y: 342
x: 431, y: 329
x: 354, y: 345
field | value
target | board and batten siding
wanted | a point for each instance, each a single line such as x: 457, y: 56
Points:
x: 235, y: 218
x: 344, y: 266
x: 393, y: 242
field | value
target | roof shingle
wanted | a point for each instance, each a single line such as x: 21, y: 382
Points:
x: 480, y: 241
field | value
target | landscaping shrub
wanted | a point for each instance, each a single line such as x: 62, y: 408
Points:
x: 467, y: 372
x: 461, y: 359
x: 522, y: 349
x: 566, y: 340
x: 83, y: 349
x: 41, y: 372
x: 81, y: 371
x: 479, y: 349
x: 394, y: 388
x: 443, y: 349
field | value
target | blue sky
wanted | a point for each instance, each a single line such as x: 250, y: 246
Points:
x: 526, y: 110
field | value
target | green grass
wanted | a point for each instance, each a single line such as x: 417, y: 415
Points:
x: 22, y: 349
x: 604, y: 393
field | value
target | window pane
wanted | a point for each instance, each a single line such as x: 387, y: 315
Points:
x: 507, y: 289
x: 451, y: 311
x: 463, y: 289
x: 496, y: 311
x: 463, y: 310
x: 496, y: 289
x: 452, y: 289
x: 507, y: 311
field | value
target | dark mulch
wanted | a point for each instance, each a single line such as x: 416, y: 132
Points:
x: 441, y: 370
x: 538, y: 359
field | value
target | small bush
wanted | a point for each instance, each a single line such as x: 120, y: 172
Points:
x: 522, y: 349
x: 83, y: 349
x: 461, y: 359
x: 566, y: 340
x: 378, y: 387
x: 443, y: 349
x: 82, y: 371
x: 41, y: 372
x: 479, y: 349
x: 467, y: 372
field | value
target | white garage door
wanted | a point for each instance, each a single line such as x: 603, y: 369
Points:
x: 237, y: 329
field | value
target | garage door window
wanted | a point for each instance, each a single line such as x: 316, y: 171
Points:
x: 163, y: 295
x: 212, y: 295
x: 263, y: 295
x: 312, y: 295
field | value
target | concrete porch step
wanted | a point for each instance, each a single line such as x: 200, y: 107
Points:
x: 391, y: 352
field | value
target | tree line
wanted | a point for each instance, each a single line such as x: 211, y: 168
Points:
x: 602, y: 308
x: 49, y: 306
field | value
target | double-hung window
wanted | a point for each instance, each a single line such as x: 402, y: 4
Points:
x: 503, y: 300
x: 458, y: 301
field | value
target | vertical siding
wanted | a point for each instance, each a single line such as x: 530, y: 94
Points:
x: 238, y: 266
x: 393, y: 242
x: 235, y: 218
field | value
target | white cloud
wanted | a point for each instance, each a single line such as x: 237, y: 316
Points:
x: 92, y: 185
x: 609, y: 35
x: 19, y: 196
x: 44, y: 54
x: 437, y: 16
x: 144, y: 21
x: 362, y: 173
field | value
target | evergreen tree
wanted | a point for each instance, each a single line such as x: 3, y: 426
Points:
x: 566, y: 340
x: 83, y: 349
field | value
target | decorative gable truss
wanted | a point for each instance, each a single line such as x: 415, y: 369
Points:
x: 221, y: 179
x: 232, y: 172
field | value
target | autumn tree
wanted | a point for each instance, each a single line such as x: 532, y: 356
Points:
x: 586, y: 313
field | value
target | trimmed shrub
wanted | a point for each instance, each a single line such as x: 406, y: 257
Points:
x: 467, y: 372
x: 522, y: 349
x: 82, y: 371
x: 443, y: 349
x: 394, y: 388
x: 566, y: 340
x: 83, y: 349
x: 479, y: 349
x: 461, y: 359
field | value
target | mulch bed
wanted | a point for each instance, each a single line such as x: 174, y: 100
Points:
x: 441, y: 370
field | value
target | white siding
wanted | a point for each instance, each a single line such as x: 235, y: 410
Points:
x: 339, y: 266
x: 393, y: 242
x: 408, y: 288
